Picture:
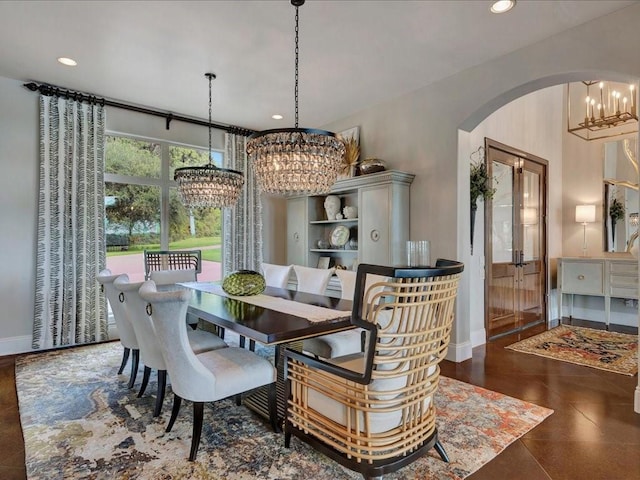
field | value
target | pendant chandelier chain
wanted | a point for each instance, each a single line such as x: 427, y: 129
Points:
x: 210, y: 75
x: 297, y: 51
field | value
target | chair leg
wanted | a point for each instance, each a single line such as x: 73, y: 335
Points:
x: 242, y: 341
x: 162, y: 385
x: 221, y: 332
x: 177, y: 401
x: 252, y: 345
x: 273, y: 407
x: 198, y: 412
x: 145, y: 380
x: 125, y: 357
x: 238, y: 398
x: 440, y: 449
x: 135, y: 359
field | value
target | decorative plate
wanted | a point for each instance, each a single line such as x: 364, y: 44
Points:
x: 339, y: 236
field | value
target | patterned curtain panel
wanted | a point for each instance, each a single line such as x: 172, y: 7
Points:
x: 70, y: 308
x: 242, y: 224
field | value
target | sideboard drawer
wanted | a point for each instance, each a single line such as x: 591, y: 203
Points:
x: 626, y: 268
x: 583, y: 278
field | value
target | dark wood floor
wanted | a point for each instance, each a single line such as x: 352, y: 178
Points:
x: 593, y: 434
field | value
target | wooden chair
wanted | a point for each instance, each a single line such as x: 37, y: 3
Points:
x: 204, y: 377
x: 172, y: 260
x: 373, y: 412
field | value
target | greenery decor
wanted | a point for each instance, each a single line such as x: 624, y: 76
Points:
x: 480, y: 182
x: 480, y: 187
x: 616, y: 210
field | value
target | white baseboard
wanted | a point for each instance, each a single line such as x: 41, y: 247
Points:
x: 459, y: 352
x: 478, y: 337
x: 13, y: 345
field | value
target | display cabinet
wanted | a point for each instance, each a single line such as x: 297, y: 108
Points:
x: 376, y: 234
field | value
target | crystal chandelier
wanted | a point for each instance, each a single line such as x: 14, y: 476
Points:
x: 598, y: 110
x: 208, y: 185
x: 296, y: 160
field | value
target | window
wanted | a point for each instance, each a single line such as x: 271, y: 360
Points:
x: 143, y: 210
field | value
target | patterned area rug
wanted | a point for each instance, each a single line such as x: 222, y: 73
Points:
x: 81, y: 421
x: 611, y: 351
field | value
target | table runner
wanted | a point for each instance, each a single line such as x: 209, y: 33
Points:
x: 313, y: 313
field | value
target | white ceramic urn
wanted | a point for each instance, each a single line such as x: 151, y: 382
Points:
x: 350, y: 212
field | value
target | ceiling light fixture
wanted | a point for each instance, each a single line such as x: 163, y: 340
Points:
x: 502, y: 6
x: 598, y: 109
x: 292, y: 161
x: 208, y: 185
x: 69, y: 62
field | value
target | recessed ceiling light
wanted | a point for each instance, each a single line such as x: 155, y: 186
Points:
x: 277, y: 116
x: 502, y: 6
x: 69, y: 62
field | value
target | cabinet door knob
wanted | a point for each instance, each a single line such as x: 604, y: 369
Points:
x: 375, y: 235
x: 580, y: 277
x: 296, y: 236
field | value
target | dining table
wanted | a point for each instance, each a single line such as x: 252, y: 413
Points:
x: 277, y: 317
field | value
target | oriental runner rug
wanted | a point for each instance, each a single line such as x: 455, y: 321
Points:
x: 611, y: 351
x: 81, y: 421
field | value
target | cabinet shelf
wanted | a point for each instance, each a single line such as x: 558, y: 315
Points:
x: 328, y: 222
x: 335, y: 250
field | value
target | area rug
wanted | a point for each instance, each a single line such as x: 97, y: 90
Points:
x: 611, y: 351
x: 80, y: 421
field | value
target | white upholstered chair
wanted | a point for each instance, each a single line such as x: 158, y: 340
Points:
x: 276, y: 275
x: 170, y: 277
x: 204, y: 377
x: 150, y: 348
x: 312, y: 280
x: 373, y: 412
x: 125, y: 329
x: 350, y: 341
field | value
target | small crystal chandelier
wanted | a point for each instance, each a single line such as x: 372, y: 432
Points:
x: 292, y: 161
x: 208, y: 185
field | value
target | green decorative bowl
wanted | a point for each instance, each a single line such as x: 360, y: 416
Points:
x: 244, y: 282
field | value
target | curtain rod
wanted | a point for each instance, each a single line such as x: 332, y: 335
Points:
x: 51, y: 90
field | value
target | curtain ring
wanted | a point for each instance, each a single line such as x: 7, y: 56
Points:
x: 121, y: 297
x: 101, y: 288
x: 149, y: 309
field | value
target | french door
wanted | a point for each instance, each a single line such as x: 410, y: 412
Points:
x: 515, y: 241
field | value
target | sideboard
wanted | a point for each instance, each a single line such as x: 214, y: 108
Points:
x: 607, y: 277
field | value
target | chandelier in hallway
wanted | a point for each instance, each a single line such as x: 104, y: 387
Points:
x: 599, y: 109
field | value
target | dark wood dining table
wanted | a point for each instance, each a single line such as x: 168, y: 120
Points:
x: 268, y: 327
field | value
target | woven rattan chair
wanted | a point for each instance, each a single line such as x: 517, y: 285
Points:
x: 373, y: 412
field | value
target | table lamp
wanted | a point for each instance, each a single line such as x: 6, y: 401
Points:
x: 585, y: 214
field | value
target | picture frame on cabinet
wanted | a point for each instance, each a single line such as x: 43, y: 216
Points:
x: 324, y: 262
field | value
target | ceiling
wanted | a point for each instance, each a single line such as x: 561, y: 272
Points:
x: 353, y: 54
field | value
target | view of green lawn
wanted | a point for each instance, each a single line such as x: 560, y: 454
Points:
x: 205, y: 243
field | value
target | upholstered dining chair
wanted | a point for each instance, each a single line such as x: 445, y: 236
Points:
x: 170, y: 277
x: 276, y: 275
x: 123, y: 324
x: 150, y: 348
x: 350, y: 341
x: 373, y: 412
x: 312, y: 280
x: 204, y: 377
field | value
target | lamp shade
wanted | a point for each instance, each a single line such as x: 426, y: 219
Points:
x: 585, y: 213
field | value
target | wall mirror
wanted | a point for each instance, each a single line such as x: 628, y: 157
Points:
x: 620, y: 203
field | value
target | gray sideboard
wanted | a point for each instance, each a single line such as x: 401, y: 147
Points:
x: 607, y: 277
